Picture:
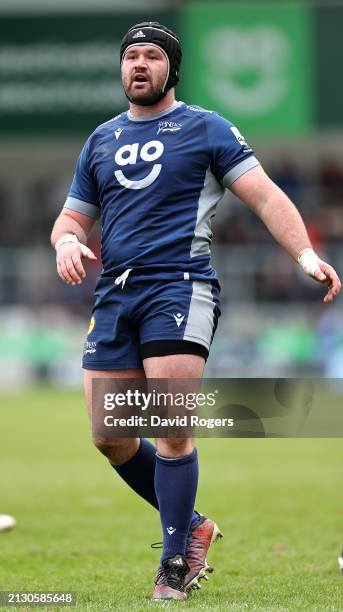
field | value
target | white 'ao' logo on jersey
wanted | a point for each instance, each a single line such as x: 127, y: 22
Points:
x: 128, y: 154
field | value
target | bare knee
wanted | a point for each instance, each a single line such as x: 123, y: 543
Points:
x: 117, y: 450
x: 174, y: 447
x: 106, y: 446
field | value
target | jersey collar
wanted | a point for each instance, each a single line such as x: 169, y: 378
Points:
x: 168, y: 110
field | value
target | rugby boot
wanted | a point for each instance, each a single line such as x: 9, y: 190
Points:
x: 200, y: 538
x: 170, y: 578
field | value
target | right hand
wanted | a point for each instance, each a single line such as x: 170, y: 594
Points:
x: 69, y: 265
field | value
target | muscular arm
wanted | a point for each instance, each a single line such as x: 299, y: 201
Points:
x: 69, y: 254
x: 283, y: 221
x: 274, y: 208
x: 72, y: 222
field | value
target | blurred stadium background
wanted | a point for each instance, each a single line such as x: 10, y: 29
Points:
x: 273, y: 68
x: 269, y: 67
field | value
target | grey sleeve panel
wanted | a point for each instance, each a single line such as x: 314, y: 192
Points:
x: 237, y: 171
x: 82, y: 207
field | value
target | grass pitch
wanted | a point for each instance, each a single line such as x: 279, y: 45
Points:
x: 279, y: 504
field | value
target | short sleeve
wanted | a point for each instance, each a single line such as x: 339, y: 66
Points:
x: 83, y: 193
x: 231, y: 156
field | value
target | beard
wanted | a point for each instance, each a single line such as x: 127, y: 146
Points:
x: 144, y: 98
x: 147, y: 99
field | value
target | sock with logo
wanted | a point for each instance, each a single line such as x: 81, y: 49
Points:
x: 176, y: 482
x: 139, y: 474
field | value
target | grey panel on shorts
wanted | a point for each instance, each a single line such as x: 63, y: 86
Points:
x: 200, y: 320
x: 82, y: 207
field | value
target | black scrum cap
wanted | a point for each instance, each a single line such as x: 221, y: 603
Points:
x: 153, y: 33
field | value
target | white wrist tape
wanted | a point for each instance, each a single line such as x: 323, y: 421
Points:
x: 309, y: 261
x: 66, y: 238
x: 73, y: 239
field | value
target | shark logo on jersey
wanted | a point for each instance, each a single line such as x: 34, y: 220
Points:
x: 128, y: 155
x: 168, y: 126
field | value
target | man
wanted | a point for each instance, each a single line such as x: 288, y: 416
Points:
x: 155, y: 175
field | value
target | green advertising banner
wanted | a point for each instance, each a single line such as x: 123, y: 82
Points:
x: 329, y: 23
x: 252, y: 63
x: 60, y: 74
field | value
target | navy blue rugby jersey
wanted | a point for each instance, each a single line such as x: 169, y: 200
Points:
x: 156, y: 181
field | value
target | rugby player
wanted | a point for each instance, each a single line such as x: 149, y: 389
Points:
x: 154, y: 174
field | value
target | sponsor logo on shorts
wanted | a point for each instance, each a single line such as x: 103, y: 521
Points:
x: 91, y: 326
x: 89, y: 348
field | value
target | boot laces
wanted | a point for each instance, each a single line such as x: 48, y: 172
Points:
x: 171, y: 576
x: 195, y: 548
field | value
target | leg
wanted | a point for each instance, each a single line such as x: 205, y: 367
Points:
x: 174, y: 366
x: 133, y: 459
x: 118, y: 450
x: 177, y: 497
x: 176, y: 474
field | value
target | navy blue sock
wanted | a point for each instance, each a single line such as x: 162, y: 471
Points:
x: 139, y: 474
x: 176, y: 482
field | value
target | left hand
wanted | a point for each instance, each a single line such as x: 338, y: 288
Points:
x: 327, y: 275
x: 320, y: 271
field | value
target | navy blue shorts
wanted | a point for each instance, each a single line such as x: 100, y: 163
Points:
x: 131, y: 318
